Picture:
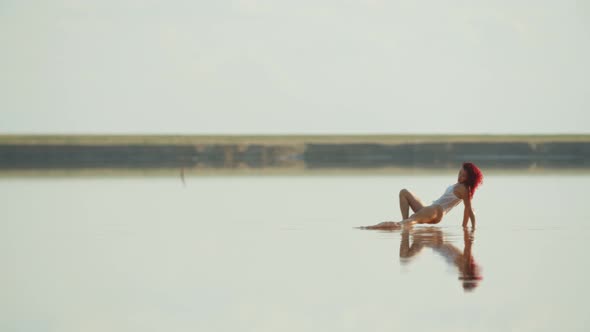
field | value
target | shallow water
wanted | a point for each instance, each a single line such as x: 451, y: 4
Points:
x: 281, y: 253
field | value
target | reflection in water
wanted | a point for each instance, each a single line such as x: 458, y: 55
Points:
x: 433, y: 237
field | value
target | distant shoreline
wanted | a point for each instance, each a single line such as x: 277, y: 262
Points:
x: 280, y: 139
x: 327, y: 152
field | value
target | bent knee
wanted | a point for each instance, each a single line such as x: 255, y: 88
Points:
x: 404, y: 192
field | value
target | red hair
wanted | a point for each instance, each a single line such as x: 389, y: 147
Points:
x: 474, y: 177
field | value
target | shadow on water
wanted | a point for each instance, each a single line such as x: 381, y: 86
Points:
x: 414, y: 240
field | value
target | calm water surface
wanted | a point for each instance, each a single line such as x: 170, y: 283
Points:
x: 281, y: 254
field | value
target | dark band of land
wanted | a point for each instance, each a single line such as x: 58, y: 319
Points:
x: 194, y: 153
x: 278, y: 139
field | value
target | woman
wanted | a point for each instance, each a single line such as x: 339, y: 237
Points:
x: 470, y: 177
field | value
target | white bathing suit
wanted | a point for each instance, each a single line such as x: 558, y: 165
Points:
x: 448, y: 200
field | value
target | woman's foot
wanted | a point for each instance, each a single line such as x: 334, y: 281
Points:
x: 386, y: 225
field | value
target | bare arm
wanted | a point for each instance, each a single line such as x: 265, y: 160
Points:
x: 468, y: 213
x: 463, y: 193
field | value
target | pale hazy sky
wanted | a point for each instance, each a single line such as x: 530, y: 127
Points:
x: 257, y: 66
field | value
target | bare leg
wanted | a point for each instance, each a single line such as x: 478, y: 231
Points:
x: 407, y: 200
x: 423, y: 215
x: 427, y: 215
